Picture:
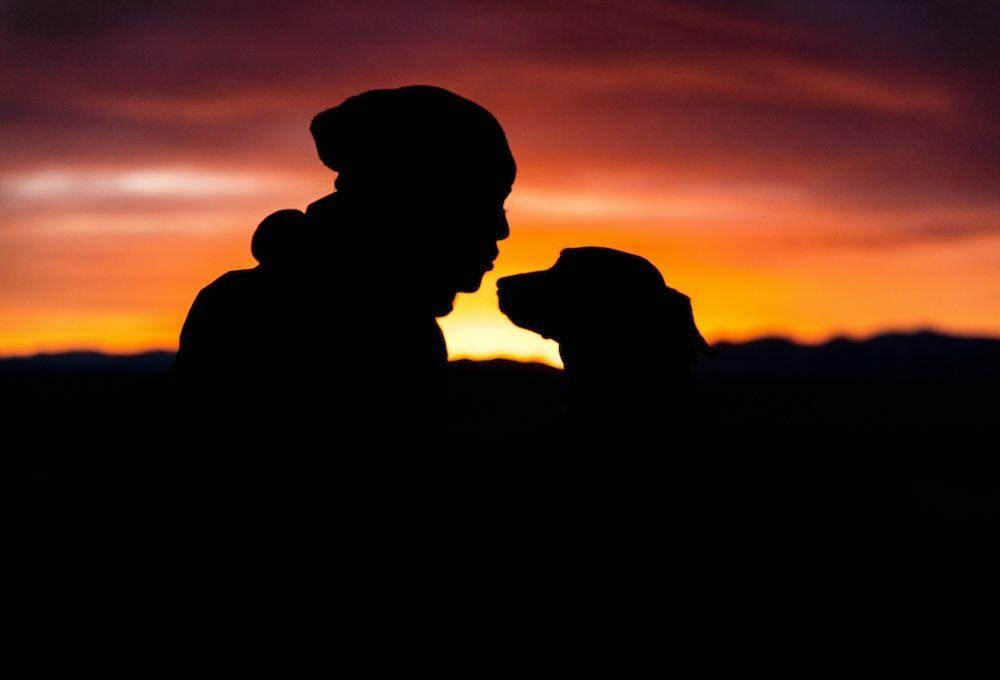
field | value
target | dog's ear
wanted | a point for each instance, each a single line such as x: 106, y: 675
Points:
x: 699, y: 345
x: 699, y: 342
x: 681, y: 332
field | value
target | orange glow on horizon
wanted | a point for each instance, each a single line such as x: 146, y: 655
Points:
x: 126, y: 286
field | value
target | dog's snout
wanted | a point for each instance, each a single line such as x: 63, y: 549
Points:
x: 522, y: 300
x: 519, y: 280
x: 509, y: 281
x: 511, y: 287
x: 504, y: 293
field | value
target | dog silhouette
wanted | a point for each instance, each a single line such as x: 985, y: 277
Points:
x: 627, y: 340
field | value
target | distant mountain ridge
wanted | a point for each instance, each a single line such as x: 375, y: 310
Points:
x: 922, y: 355
x: 89, y: 362
x: 909, y: 400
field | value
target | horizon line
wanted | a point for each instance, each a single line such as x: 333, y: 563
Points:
x: 835, y: 337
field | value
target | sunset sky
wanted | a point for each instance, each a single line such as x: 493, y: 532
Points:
x: 802, y: 168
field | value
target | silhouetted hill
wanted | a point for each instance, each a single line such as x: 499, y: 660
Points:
x: 895, y: 384
x: 896, y: 356
x: 504, y: 395
x: 88, y: 363
x: 893, y: 402
x: 891, y: 384
x: 915, y: 356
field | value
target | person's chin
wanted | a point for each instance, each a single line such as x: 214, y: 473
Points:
x: 472, y: 284
x: 446, y: 302
x: 443, y: 307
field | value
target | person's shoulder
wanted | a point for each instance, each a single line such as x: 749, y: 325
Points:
x: 230, y: 283
x: 321, y: 207
x: 234, y: 277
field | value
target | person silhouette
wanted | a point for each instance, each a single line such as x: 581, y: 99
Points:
x: 422, y: 176
x: 415, y: 218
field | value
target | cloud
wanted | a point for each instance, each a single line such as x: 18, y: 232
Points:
x: 774, y: 90
x: 167, y: 182
x: 886, y: 240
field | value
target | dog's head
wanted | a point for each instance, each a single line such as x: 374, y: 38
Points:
x: 603, y: 300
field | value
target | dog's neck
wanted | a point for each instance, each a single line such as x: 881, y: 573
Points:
x: 615, y: 385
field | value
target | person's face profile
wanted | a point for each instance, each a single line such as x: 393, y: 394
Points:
x: 469, y: 224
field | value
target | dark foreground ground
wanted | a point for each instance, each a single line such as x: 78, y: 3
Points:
x: 921, y: 408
